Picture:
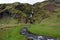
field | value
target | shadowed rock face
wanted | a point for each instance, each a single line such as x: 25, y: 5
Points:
x: 2, y: 6
x: 51, y: 7
x: 16, y: 10
x: 55, y: 1
x: 51, y: 0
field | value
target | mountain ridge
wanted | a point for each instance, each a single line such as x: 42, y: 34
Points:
x: 22, y: 12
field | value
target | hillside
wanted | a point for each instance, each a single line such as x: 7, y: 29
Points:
x: 17, y: 11
x: 42, y: 17
x: 47, y: 17
x: 45, y: 10
x: 21, y: 12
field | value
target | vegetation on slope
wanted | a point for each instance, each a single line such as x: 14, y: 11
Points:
x: 48, y: 27
x: 44, y: 10
x: 17, y: 10
x: 47, y: 18
x: 22, y: 12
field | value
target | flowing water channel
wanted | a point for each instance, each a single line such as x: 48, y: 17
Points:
x: 31, y: 36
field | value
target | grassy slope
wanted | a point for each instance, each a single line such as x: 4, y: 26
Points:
x: 48, y: 27
x: 8, y: 21
x: 11, y: 33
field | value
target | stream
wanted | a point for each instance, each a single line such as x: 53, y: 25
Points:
x: 31, y: 36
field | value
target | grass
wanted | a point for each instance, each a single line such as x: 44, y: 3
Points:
x: 8, y: 20
x: 45, y: 30
x: 11, y: 33
x: 48, y: 27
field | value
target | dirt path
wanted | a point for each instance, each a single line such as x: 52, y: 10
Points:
x: 8, y: 25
